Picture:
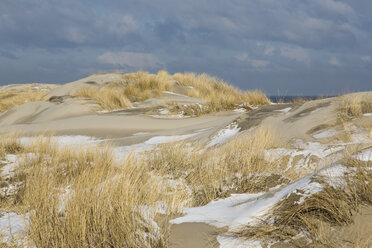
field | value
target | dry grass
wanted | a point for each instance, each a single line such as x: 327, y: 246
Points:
x: 10, y: 144
x: 99, y: 211
x: 107, y: 98
x: 82, y: 197
x: 331, y: 206
x: 353, y: 106
x: 299, y: 100
x: 236, y: 167
x: 13, y: 98
x: 139, y: 86
x: 217, y: 94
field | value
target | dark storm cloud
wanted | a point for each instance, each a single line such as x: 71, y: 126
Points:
x: 265, y: 44
x: 7, y: 54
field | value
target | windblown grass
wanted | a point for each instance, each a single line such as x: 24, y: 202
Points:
x: 139, y: 86
x: 107, y: 98
x: 217, y: 94
x: 13, y: 98
x: 334, y: 206
x: 10, y: 144
x: 236, y: 167
x: 83, y: 197
x: 353, y: 106
x: 100, y: 208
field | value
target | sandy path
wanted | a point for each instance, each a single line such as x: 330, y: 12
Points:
x: 193, y: 235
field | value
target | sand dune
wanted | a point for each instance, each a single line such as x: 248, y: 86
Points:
x: 312, y: 134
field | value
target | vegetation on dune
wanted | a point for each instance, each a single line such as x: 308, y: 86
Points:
x: 107, y: 98
x: 217, y: 94
x: 350, y: 111
x: 82, y: 197
x: 332, y: 206
x: 139, y: 86
x: 12, y: 98
x: 236, y: 167
x: 101, y: 206
x: 353, y: 106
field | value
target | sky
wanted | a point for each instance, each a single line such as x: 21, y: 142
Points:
x: 286, y: 47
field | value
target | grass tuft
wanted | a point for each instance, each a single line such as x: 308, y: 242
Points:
x: 13, y: 98
x: 334, y: 206
x: 353, y: 106
x: 236, y: 167
x: 10, y: 144
x: 140, y: 86
x: 107, y: 98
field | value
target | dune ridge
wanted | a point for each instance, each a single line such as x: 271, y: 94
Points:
x: 170, y: 166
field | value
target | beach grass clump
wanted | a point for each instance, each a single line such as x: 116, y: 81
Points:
x: 12, y: 98
x: 332, y: 206
x: 83, y: 197
x: 134, y: 87
x: 94, y: 206
x: 10, y: 144
x: 236, y: 167
x: 107, y: 98
x: 353, y: 106
x: 140, y: 86
x: 217, y: 94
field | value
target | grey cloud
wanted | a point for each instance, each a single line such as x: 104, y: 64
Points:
x: 221, y: 23
x: 136, y: 61
x: 8, y: 55
x: 268, y: 43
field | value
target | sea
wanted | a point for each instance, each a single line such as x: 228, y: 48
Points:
x: 281, y: 99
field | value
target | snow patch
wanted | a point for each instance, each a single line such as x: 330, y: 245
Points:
x: 164, y: 111
x: 172, y: 93
x: 240, y: 110
x: 325, y: 134
x: 246, y: 209
x: 285, y: 110
x: 165, y: 114
x: 367, y: 114
x: 317, y: 149
x: 12, y: 225
x: 122, y: 152
x: 224, y: 135
x: 315, y: 111
x: 365, y: 155
x: 64, y: 140
x: 11, y: 164
x: 140, y: 133
x: 178, y: 116
x: 335, y: 175
x: 148, y: 213
x: 359, y: 137
x: 220, y: 212
x: 113, y: 110
x: 305, y: 150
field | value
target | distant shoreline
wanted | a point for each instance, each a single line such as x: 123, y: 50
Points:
x: 277, y: 99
